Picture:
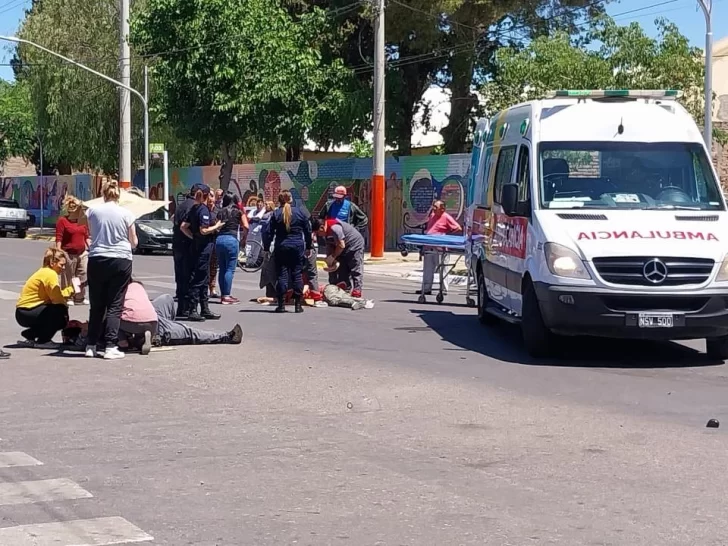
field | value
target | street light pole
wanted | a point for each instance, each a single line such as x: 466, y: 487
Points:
x: 707, y: 6
x: 146, y: 130
x: 104, y: 77
x: 378, y: 184
x: 40, y: 188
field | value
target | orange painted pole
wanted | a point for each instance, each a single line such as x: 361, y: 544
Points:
x: 378, y: 221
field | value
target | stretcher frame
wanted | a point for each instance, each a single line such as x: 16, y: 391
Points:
x: 443, y: 268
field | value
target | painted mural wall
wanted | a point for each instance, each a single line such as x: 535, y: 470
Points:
x: 33, y: 193
x: 413, y: 183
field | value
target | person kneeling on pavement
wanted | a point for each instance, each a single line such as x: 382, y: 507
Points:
x: 41, y: 307
x: 141, y: 332
x: 345, y: 255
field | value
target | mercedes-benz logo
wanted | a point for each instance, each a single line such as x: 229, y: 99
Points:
x: 655, y: 271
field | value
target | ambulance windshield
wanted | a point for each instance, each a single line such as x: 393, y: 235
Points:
x: 627, y: 175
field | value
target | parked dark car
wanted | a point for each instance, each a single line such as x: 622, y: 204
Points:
x: 14, y: 219
x: 154, y: 233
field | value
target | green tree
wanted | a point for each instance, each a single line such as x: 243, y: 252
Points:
x: 17, y: 123
x: 240, y: 72
x: 626, y: 58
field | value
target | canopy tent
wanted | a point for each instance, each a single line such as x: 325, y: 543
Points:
x: 131, y: 200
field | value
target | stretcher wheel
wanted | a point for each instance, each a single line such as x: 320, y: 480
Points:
x: 422, y: 299
x: 440, y: 298
x: 470, y: 302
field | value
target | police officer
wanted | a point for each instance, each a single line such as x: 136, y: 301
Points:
x: 198, y: 227
x: 291, y: 229
x: 181, y: 248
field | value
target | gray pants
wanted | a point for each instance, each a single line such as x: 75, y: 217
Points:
x: 178, y: 333
x: 129, y: 330
x: 311, y: 270
x: 351, y: 269
x: 336, y: 297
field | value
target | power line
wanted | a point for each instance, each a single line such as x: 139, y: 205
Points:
x: 434, y: 15
x: 11, y: 6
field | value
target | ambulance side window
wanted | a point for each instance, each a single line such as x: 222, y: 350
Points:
x: 523, y: 176
x: 503, y: 170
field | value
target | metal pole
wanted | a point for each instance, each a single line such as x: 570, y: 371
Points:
x: 40, y: 147
x: 87, y: 69
x: 165, y: 166
x: 707, y: 6
x: 378, y: 185
x: 146, y: 131
x: 124, y: 99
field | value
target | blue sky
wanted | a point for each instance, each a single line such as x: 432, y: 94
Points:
x: 684, y: 12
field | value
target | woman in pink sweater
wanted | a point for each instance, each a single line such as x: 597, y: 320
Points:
x: 138, y: 317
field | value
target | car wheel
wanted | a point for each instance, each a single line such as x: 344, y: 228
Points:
x: 483, y: 316
x: 3, y: 233
x: 22, y: 234
x: 538, y: 339
x: 717, y: 348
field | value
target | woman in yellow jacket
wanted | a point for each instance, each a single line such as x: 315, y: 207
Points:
x: 41, y: 307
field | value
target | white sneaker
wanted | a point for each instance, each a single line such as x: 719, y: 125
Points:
x: 70, y: 303
x: 86, y: 301
x: 113, y: 353
x: 91, y: 351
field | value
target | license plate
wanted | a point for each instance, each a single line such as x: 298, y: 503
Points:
x: 9, y: 226
x: 655, y: 320
x: 169, y: 246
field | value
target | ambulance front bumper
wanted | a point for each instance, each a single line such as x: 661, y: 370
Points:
x: 633, y: 315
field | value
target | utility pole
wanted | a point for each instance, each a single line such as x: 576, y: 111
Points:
x: 125, y: 98
x: 146, y: 132
x: 707, y: 7
x: 378, y: 185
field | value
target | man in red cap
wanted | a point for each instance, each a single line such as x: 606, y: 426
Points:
x: 342, y: 209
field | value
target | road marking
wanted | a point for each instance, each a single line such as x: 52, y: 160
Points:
x: 80, y: 532
x: 9, y: 459
x: 8, y: 295
x: 40, y: 491
x: 159, y: 284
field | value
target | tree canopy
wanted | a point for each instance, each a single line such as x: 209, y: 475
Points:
x: 17, y: 124
x: 230, y: 71
x: 622, y: 57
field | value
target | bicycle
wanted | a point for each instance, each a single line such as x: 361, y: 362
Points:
x: 251, y: 258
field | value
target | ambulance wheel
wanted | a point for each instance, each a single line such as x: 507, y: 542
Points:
x: 470, y: 302
x: 483, y: 316
x: 717, y: 348
x: 537, y: 338
x: 440, y: 298
x: 422, y: 299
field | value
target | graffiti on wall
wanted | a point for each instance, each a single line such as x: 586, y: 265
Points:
x: 412, y: 184
x: 34, y: 193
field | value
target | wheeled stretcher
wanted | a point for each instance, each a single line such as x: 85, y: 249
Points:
x: 442, y: 246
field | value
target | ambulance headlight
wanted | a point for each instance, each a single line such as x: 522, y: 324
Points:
x: 564, y: 262
x: 722, y: 271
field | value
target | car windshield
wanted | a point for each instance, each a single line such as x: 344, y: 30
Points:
x: 627, y: 175
x: 9, y: 204
x: 156, y: 215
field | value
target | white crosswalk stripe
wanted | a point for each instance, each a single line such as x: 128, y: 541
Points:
x: 12, y: 459
x: 84, y: 532
x: 8, y: 295
x: 41, y: 491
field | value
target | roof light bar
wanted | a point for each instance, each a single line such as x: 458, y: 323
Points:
x: 635, y: 93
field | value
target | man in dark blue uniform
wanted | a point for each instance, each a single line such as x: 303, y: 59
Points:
x: 181, y: 253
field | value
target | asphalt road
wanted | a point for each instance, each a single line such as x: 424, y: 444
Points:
x: 406, y: 424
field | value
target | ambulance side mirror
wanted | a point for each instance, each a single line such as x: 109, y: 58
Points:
x: 509, y: 199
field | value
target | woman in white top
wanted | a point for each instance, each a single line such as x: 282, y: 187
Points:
x: 113, y: 236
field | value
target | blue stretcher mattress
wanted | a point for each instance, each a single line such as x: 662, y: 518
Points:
x: 449, y: 241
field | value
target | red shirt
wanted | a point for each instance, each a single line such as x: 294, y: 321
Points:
x: 442, y: 225
x: 71, y: 235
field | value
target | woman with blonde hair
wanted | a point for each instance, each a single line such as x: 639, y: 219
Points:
x: 72, y: 238
x: 41, y: 307
x: 113, y: 236
x: 290, y: 227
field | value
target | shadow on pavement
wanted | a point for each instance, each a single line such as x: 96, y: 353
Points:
x: 503, y: 342
x: 430, y: 301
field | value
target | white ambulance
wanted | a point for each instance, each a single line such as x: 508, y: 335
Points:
x: 598, y: 213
